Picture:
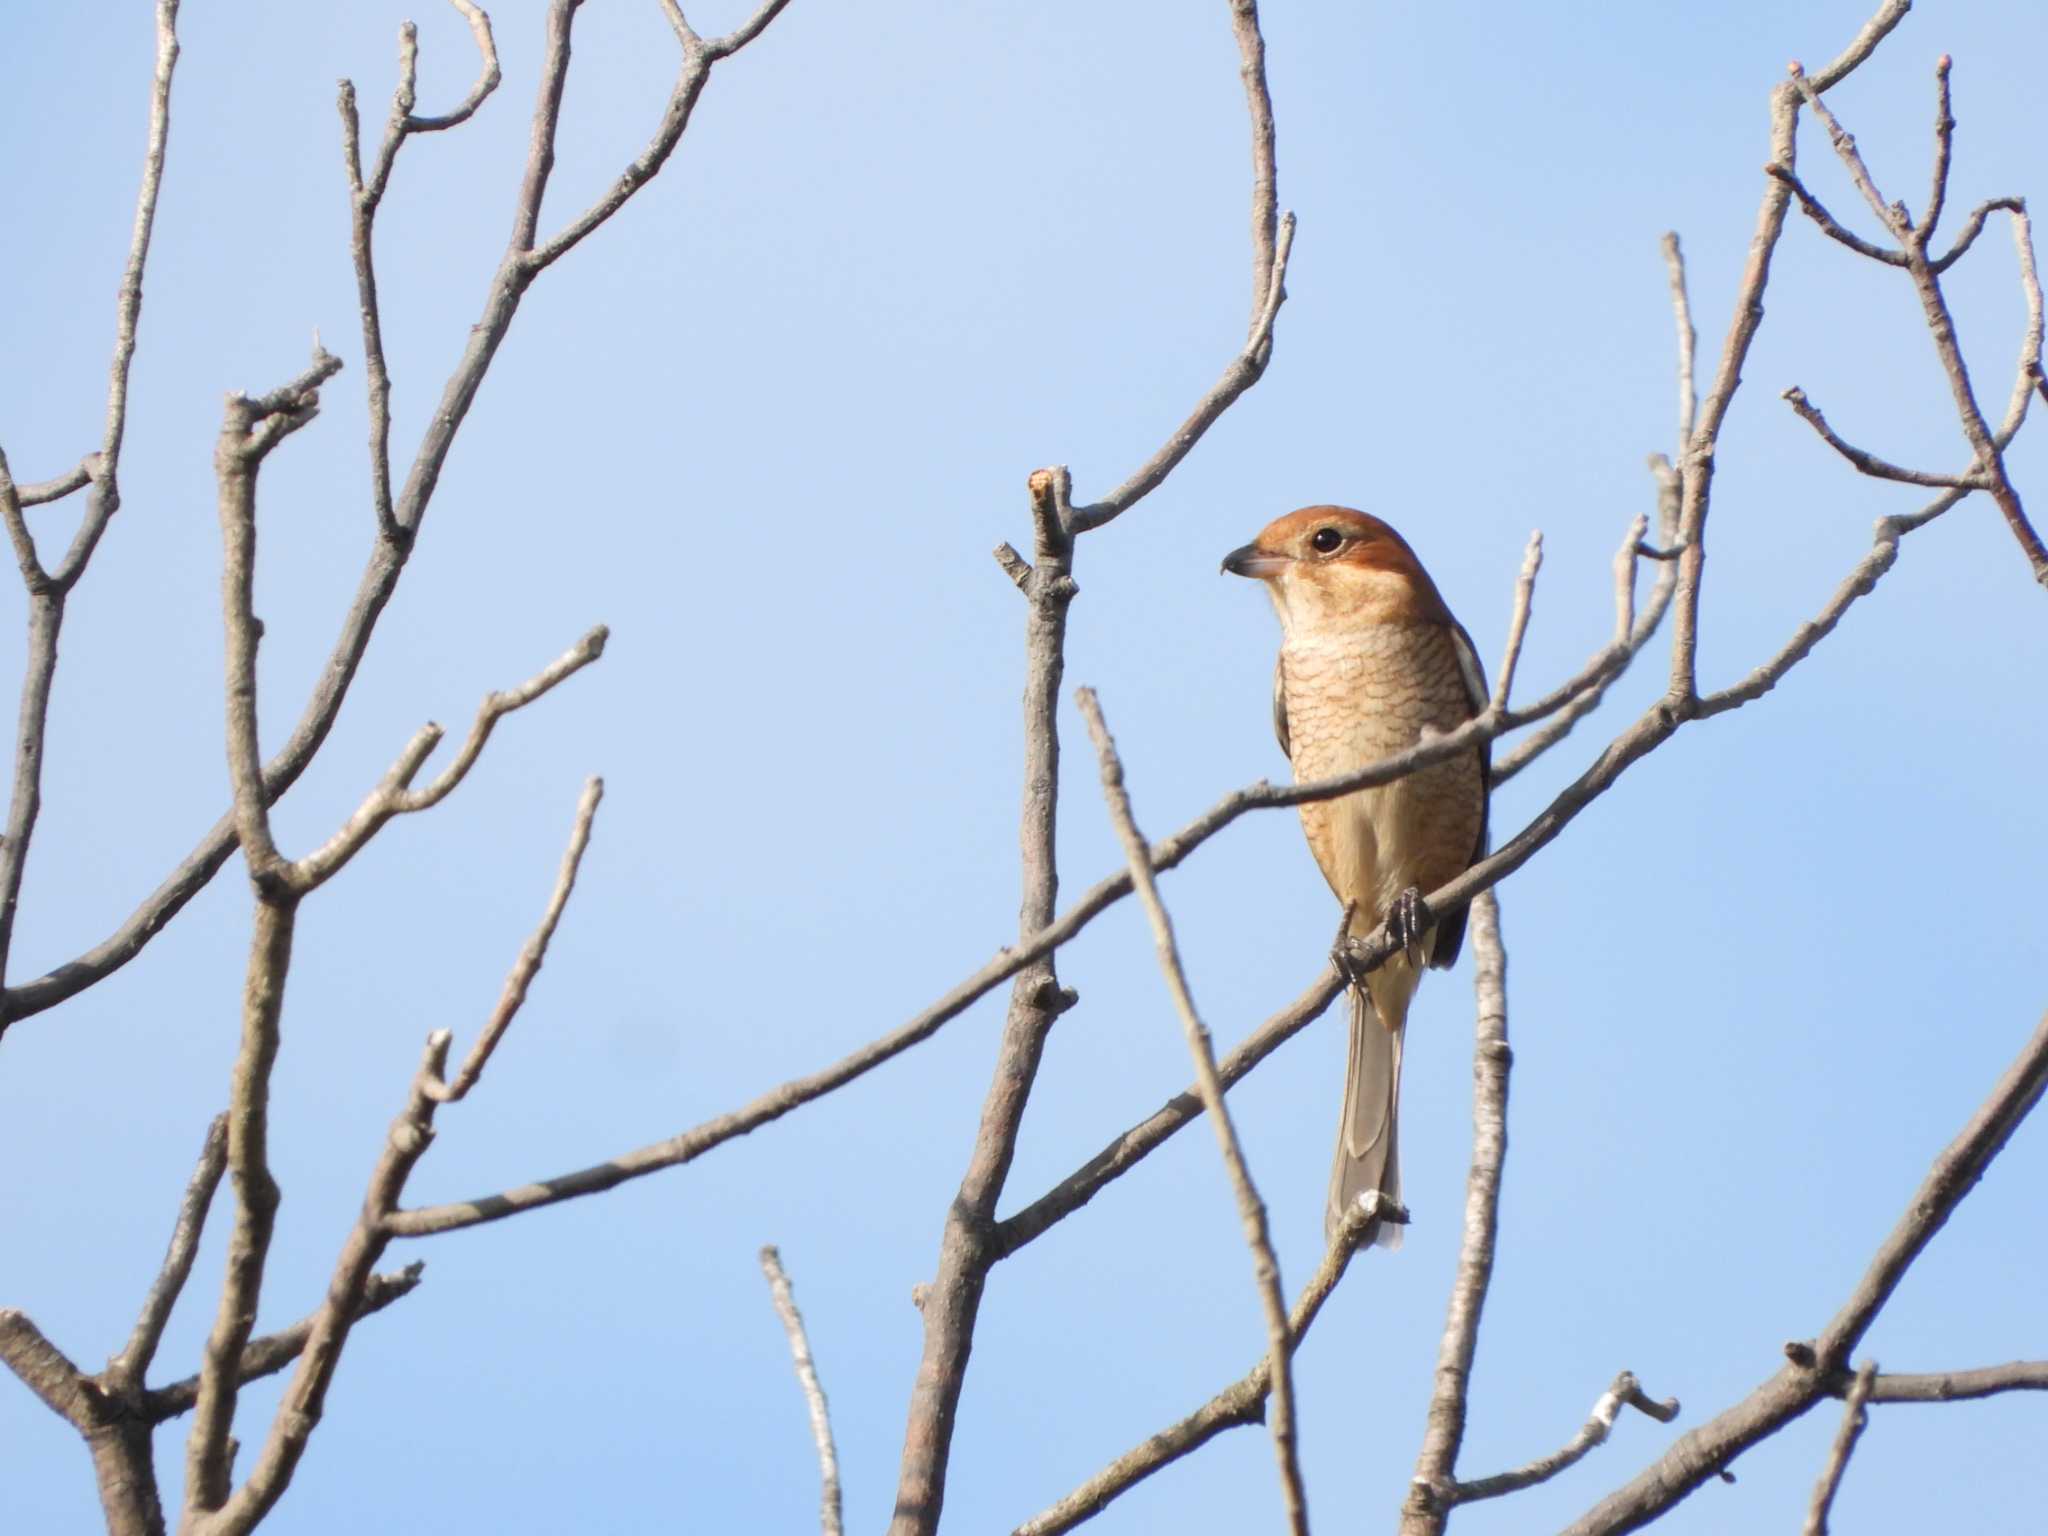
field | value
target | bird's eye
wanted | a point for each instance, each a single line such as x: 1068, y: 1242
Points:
x: 1325, y: 540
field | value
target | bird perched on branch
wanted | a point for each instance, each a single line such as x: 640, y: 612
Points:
x: 1370, y: 660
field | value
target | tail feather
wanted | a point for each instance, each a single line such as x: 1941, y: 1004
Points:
x: 1368, y: 1135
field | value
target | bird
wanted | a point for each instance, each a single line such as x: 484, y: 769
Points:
x: 1371, y: 660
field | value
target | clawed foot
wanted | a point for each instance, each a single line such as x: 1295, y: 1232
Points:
x: 1409, y: 918
x: 1341, y: 959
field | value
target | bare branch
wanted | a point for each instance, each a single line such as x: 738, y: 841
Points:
x: 528, y: 965
x: 487, y: 75
x: 1854, y: 1418
x: 394, y: 795
x: 1984, y: 443
x: 1625, y: 558
x: 698, y: 57
x: 830, y: 1518
x: 1251, y: 52
x: 271, y: 1353
x: 126, y: 1370
x: 1626, y: 1392
x: 46, y: 591
x: 1829, y: 224
x: 1696, y: 468
x: 1891, y: 215
x: 250, y: 428
x: 388, y: 555
x: 1242, y: 373
x: 322, y: 1337
x: 1242, y: 1402
x: 363, y: 204
x: 1688, y: 337
x: 1428, y: 1502
x: 1251, y: 1209
x: 209, y: 1450
x: 1870, y: 463
x: 1816, y: 1372
x: 45, y: 1369
x: 1518, y: 621
x: 1955, y: 1386
x: 1973, y: 226
x: 106, y: 494
x: 33, y: 576
x: 75, y: 479
x: 305, y: 1397
x: 746, y: 32
x: 953, y: 1301
x: 1944, y: 143
x: 1134, y: 1145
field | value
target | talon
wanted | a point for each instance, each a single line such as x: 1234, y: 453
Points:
x: 1340, y: 949
x: 1409, y: 918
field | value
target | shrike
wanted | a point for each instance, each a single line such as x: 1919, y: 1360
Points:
x: 1370, y: 659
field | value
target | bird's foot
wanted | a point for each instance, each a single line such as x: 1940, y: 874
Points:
x: 1342, y: 959
x: 1409, y: 918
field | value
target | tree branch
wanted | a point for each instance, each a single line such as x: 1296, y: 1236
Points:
x: 1430, y: 1492
x: 272, y: 1352
x: 1853, y: 1421
x: 1870, y: 463
x: 1816, y: 1371
x: 1952, y: 1386
x: 1626, y: 1392
x: 388, y: 556
x: 125, y: 1372
x: 394, y: 794
x: 830, y: 1517
x: 1251, y: 1209
x: 1242, y: 1402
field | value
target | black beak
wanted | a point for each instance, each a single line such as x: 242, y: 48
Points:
x: 1252, y: 561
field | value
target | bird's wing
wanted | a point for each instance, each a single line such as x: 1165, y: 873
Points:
x: 1450, y: 928
x: 1280, y: 710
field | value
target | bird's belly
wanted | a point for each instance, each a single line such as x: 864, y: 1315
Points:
x: 1346, y: 709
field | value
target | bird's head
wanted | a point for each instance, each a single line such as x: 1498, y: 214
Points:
x: 1332, y: 566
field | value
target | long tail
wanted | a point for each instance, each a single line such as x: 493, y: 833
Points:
x: 1368, y: 1135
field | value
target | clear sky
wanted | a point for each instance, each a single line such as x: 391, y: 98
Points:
x: 768, y: 424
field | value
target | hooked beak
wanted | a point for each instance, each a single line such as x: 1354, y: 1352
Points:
x: 1260, y: 564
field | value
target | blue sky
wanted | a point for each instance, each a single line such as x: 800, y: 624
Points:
x: 767, y: 425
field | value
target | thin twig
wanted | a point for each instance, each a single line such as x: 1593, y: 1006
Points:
x: 1984, y: 443
x: 272, y: 1352
x: 1956, y: 1386
x: 1688, y: 337
x: 1891, y: 215
x: 1944, y: 144
x: 1854, y: 1419
x: 75, y: 479
x: 1973, y: 226
x: 1830, y: 226
x: 1426, y: 1508
x: 1130, y: 1148
x: 830, y: 1518
x: 1699, y: 1455
x: 1870, y: 463
x: 388, y: 556
x: 1696, y: 466
x: 532, y: 954
x: 394, y: 794
x: 1251, y: 1209
x: 1242, y: 1402
x: 1241, y: 374
x: 1518, y: 621
x: 368, y: 194
x: 125, y: 1372
x: 1626, y: 1392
